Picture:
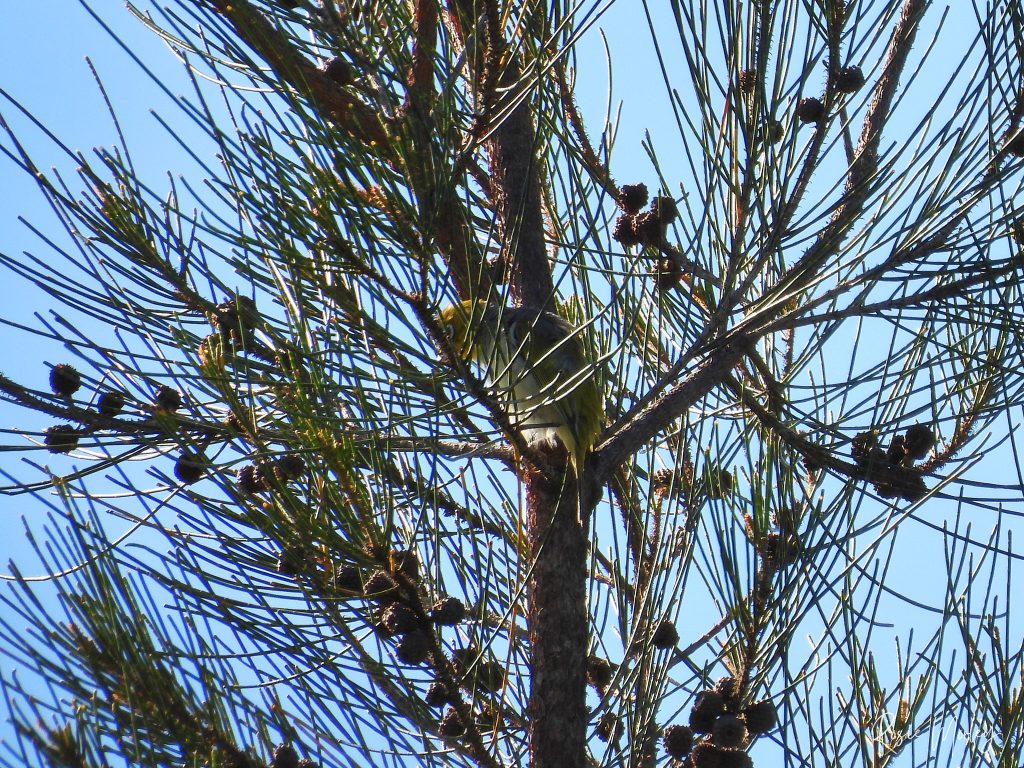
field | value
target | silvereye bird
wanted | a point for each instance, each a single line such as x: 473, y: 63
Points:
x: 538, y: 364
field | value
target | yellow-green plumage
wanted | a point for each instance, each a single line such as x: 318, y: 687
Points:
x: 539, y: 367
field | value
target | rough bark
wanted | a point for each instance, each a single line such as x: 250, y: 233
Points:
x: 557, y: 619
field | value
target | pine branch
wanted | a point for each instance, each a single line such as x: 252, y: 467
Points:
x: 360, y: 120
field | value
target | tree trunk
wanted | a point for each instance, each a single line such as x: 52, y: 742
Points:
x: 557, y: 618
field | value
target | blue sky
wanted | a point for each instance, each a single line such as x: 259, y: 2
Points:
x: 44, y: 53
x: 43, y: 49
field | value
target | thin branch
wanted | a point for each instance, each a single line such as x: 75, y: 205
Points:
x: 863, y: 169
x: 645, y: 425
x: 359, y: 120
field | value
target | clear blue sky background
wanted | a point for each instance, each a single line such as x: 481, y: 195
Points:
x: 43, y: 46
x: 43, y: 49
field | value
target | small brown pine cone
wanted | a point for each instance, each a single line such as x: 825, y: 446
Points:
x: 380, y: 586
x: 285, y: 756
x: 760, y: 717
x: 623, y: 233
x: 810, y: 110
x: 60, y: 438
x: 266, y: 474
x: 609, y: 728
x: 413, y: 648
x: 599, y: 672
x: 913, y: 488
x: 729, y: 688
x: 897, y: 450
x: 706, y: 708
x: 65, y: 380
x: 678, y: 741
x: 293, y: 560
x: 437, y: 695
x: 734, y: 758
x: 110, y: 403
x: 448, y: 612
x: 706, y: 755
x: 729, y: 731
x: 779, y: 550
x: 649, y: 231
x: 748, y: 80
x: 774, y: 131
x: 347, y: 578
x: 382, y: 629
x: 463, y: 658
x: 720, y: 483
x: 489, y: 676
x: 480, y: 673
x: 665, y: 635
x: 909, y: 486
x: 886, y: 491
x: 290, y: 467
x: 919, y: 440
x: 877, y: 458
x: 668, y: 274
x: 849, y: 79
x: 399, y: 619
x: 664, y: 480
x: 632, y: 197
x: 451, y: 724
x: 248, y: 481
x: 190, y: 467
x: 167, y: 399
x: 405, y: 562
x: 378, y: 552
x: 665, y: 209
x: 811, y: 464
x: 786, y: 519
x: 861, y: 446
x: 338, y: 70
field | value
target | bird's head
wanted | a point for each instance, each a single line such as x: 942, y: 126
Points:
x: 466, y: 325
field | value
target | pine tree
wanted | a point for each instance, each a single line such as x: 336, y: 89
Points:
x: 293, y: 524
